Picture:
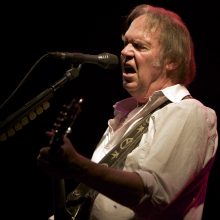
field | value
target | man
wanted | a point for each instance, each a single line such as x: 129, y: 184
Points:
x: 165, y: 176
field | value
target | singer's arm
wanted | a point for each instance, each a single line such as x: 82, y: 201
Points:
x: 123, y: 187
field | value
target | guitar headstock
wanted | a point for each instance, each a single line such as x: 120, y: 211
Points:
x: 65, y: 121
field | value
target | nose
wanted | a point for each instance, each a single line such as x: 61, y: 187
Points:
x: 127, y: 52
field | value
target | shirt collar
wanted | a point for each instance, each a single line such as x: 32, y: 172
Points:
x: 174, y: 93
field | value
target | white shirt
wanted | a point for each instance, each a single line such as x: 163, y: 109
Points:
x: 181, y: 139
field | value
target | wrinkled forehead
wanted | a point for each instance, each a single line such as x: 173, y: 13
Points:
x: 145, y: 23
x: 141, y: 30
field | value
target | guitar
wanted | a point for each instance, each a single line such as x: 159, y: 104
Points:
x: 79, y: 201
x: 62, y: 127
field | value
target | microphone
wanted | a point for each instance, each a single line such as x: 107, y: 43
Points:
x: 104, y: 60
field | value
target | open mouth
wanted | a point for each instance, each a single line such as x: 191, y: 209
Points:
x: 128, y: 69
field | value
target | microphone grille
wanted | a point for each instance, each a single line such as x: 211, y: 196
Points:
x: 108, y: 60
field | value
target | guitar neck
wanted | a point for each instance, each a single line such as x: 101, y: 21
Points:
x: 59, y: 200
x: 63, y: 122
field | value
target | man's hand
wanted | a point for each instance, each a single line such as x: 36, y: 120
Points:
x: 59, y: 162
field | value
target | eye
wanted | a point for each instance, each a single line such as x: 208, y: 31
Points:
x: 139, y: 46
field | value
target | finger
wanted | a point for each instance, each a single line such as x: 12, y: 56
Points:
x: 49, y: 168
x: 44, y: 152
x: 50, y: 133
x: 66, y: 139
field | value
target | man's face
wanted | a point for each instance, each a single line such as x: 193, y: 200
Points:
x: 142, y: 70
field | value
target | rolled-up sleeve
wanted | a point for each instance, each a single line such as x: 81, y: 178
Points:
x: 179, y: 142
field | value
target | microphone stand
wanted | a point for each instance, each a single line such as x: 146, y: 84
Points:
x: 14, y: 123
x: 18, y: 119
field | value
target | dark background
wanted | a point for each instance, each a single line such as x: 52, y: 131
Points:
x: 29, y: 31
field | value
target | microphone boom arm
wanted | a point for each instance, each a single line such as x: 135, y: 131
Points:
x: 37, y: 105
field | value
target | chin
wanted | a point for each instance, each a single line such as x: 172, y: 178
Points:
x: 130, y: 90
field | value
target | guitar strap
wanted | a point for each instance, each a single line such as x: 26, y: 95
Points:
x: 132, y: 138
x: 116, y: 155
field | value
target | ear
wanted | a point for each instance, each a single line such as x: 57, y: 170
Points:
x: 171, y: 66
